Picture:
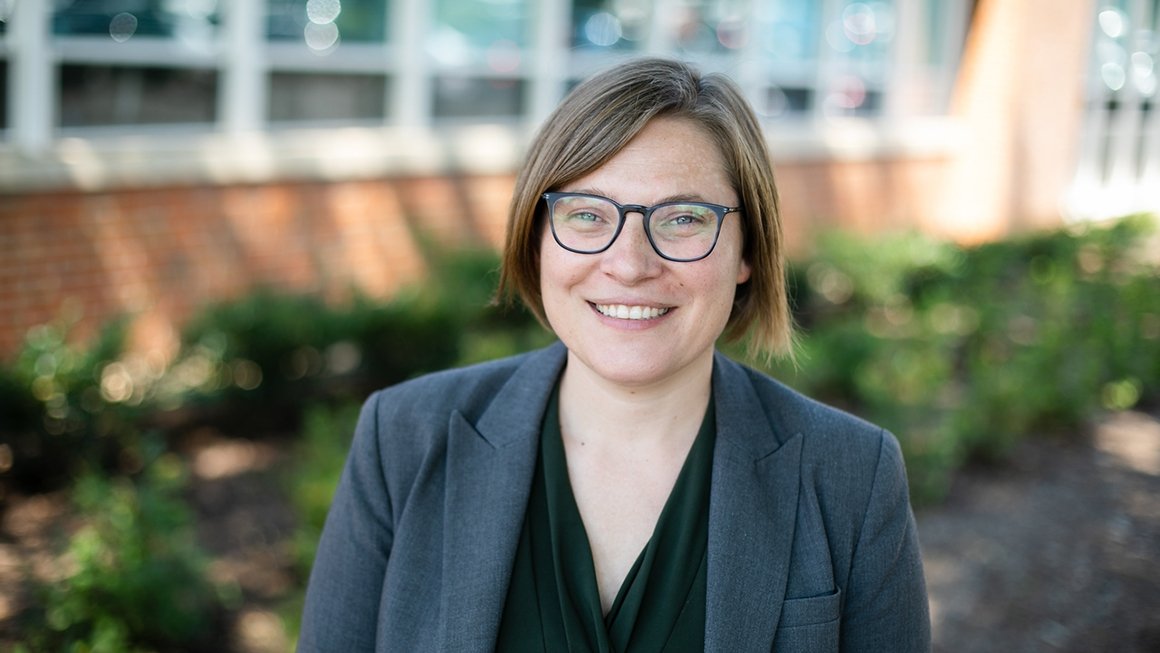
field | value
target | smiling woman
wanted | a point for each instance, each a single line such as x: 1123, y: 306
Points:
x: 629, y: 488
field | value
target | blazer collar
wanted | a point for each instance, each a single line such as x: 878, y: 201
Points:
x: 489, y: 475
x: 752, y: 515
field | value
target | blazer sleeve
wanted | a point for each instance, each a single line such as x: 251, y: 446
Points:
x: 346, y: 581
x: 886, y: 603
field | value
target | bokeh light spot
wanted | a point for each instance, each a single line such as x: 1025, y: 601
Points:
x: 603, y: 29
x: 732, y: 34
x: 323, y: 12
x: 321, y: 37
x: 1112, y: 22
x: 1113, y: 75
x: 837, y: 38
x: 503, y: 56
x: 858, y: 24
x: 1142, y: 63
x: 122, y: 27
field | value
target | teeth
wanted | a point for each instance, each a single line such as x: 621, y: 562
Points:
x: 623, y: 312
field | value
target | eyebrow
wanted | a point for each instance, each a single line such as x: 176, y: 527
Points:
x: 685, y: 197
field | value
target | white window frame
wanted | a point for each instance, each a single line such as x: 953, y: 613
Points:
x: 1118, y: 164
x: 242, y: 144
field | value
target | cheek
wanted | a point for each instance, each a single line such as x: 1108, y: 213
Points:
x: 549, y: 263
x: 557, y: 273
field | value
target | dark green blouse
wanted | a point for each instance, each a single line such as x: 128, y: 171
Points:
x: 553, y: 603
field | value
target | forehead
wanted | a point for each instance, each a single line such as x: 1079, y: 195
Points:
x: 670, y: 157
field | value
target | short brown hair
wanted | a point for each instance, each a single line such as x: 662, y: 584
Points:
x: 597, y: 119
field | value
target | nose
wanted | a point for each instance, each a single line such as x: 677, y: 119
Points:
x: 631, y: 256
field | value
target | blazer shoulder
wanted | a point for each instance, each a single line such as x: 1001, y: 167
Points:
x: 795, y: 412
x: 836, y: 444
x: 843, y: 456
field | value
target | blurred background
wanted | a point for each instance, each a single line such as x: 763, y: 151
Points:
x: 223, y: 223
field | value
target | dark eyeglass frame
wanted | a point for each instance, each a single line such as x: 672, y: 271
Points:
x: 623, y: 210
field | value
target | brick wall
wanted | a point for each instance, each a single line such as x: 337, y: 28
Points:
x: 160, y: 253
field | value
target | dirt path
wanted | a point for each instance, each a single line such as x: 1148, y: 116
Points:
x: 1057, y: 551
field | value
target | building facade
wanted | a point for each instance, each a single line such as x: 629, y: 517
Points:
x: 159, y: 154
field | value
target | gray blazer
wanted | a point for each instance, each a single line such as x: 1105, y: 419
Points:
x: 812, y: 543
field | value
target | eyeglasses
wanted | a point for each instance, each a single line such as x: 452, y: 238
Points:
x: 677, y: 231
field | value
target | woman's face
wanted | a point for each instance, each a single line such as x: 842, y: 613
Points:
x: 675, y: 310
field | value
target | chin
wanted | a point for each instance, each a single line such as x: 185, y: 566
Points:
x: 639, y: 367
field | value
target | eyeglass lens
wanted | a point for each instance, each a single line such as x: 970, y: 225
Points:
x: 589, y: 224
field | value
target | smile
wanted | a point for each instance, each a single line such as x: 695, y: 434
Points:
x: 622, y: 312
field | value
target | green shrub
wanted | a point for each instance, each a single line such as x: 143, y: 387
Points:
x: 135, y: 579
x: 319, y: 455
x: 963, y: 351
x: 66, y: 409
x: 270, y: 353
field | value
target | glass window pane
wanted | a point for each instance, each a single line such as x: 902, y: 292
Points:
x: 610, y: 24
x: 115, y: 95
x: 862, y: 31
x: 709, y: 25
x: 3, y: 95
x: 849, y: 94
x: 122, y: 20
x: 467, y: 32
x: 322, y: 97
x: 354, y: 21
x: 784, y: 101
x: 467, y: 97
x: 788, y: 29
x: 936, y: 32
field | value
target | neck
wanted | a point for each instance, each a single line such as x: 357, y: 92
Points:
x: 601, y: 412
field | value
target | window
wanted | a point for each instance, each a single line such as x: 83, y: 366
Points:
x: 1118, y: 168
x: 708, y: 26
x: 479, y: 50
x: 5, y: 15
x: 327, y: 21
x: 118, y: 95
x: 604, y: 24
x: 326, y: 97
x: 3, y: 95
x: 124, y: 20
x: 465, y: 29
x: 475, y: 97
x: 328, y: 61
x: 142, y: 63
x: 245, y: 65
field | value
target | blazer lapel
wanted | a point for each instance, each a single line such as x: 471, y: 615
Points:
x: 752, y: 515
x: 489, y: 475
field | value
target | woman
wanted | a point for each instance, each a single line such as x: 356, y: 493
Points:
x: 629, y: 488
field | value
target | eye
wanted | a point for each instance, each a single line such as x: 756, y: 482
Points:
x: 585, y: 213
x: 686, y: 219
x: 583, y: 216
x: 680, y: 219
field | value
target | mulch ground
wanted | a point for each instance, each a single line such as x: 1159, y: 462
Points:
x: 1058, y: 550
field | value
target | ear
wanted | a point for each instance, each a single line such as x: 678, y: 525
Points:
x: 743, y: 271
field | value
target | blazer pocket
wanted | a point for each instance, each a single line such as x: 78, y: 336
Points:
x: 809, y: 624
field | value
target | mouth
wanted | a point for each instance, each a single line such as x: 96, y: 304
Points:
x: 625, y: 312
